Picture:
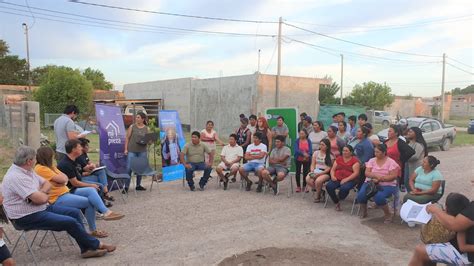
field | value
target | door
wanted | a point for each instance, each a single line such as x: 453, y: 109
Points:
x: 427, y: 133
x: 377, y: 117
x: 436, y: 132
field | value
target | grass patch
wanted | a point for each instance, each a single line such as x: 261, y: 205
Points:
x: 459, y: 122
x: 463, y: 139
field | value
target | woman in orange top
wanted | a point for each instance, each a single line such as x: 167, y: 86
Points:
x: 59, y: 194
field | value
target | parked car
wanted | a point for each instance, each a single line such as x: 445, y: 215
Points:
x: 470, y: 127
x: 130, y: 112
x: 384, y: 118
x: 434, y: 132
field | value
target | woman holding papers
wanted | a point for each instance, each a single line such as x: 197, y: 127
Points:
x: 383, y: 171
x: 425, y: 182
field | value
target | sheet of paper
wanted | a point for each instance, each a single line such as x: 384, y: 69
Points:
x: 414, y: 212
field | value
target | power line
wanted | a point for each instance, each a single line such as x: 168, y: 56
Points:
x: 459, y: 62
x: 170, y: 14
x: 138, y: 25
x: 362, y: 55
x: 387, y: 26
x: 271, y: 58
x: 360, y: 44
x: 460, y: 69
x: 34, y: 19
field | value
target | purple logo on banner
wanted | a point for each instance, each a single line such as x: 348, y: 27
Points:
x: 112, y: 138
x: 172, y: 142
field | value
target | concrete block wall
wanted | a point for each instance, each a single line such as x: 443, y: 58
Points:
x: 176, y: 94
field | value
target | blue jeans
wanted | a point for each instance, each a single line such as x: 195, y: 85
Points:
x: 344, y: 189
x: 380, y: 198
x: 99, y: 177
x: 129, y: 168
x: 93, y: 196
x: 60, y: 218
x: 78, y: 202
x: 198, y: 166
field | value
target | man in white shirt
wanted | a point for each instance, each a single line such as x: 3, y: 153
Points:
x: 230, y: 156
x: 255, y: 156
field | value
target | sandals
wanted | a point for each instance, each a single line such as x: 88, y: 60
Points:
x: 99, y: 234
x: 388, y: 220
x: 338, y: 207
x: 317, y: 200
x: 108, y: 197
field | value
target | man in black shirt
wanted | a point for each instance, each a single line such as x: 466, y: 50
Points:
x: 460, y: 250
x: 88, y: 175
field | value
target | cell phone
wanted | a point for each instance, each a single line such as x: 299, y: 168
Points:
x: 312, y: 175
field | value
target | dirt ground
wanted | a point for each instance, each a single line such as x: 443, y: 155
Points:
x: 234, y: 227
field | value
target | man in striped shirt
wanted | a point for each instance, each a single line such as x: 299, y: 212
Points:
x: 26, y: 205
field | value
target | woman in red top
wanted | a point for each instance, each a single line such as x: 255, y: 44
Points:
x: 344, y: 175
x: 398, y: 150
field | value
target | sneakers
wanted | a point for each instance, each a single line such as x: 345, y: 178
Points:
x: 249, y: 186
x: 201, y: 187
x: 226, y: 183
x: 94, y: 253
x: 140, y: 188
x: 113, y: 216
x: 259, y: 188
x: 192, y: 188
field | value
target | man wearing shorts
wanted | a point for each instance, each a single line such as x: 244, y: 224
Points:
x: 255, y: 156
x: 280, y: 161
x: 230, y: 156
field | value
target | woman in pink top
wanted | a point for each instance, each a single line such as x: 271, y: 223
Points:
x: 383, y: 171
x: 209, y: 137
x: 336, y: 142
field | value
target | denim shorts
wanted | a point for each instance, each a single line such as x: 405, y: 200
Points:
x: 253, y: 167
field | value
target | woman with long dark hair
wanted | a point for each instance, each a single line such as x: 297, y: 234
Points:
x: 317, y: 135
x: 398, y: 150
x: 336, y: 142
x: 417, y: 143
x: 303, y: 152
x: 321, y: 164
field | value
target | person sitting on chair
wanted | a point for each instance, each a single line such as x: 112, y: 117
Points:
x: 344, y: 174
x: 88, y: 175
x: 458, y: 217
x: 279, y: 164
x: 26, y: 205
x: 383, y: 171
x: 5, y: 256
x: 425, y: 182
x: 321, y: 163
x: 255, y: 156
x: 59, y: 194
x: 75, y: 184
x: 231, y: 155
x: 195, y: 160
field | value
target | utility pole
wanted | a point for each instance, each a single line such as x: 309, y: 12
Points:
x: 277, y: 91
x: 342, y: 77
x: 258, y: 65
x: 442, y: 88
x: 27, y: 55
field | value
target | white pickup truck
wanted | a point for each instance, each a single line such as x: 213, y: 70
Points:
x: 436, y: 134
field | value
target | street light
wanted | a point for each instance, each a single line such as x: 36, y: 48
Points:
x: 25, y: 27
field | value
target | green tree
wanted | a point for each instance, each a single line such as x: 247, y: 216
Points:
x: 63, y: 86
x: 435, y: 110
x: 97, y: 78
x: 327, y: 93
x: 4, y: 50
x: 371, y: 94
x: 13, y: 70
x: 39, y: 74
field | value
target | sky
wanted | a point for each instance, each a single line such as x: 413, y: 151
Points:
x: 138, y: 50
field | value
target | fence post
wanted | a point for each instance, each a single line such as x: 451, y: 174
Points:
x: 30, y: 124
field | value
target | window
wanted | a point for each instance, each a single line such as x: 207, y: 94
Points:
x: 377, y: 113
x: 435, y: 126
x: 426, y: 127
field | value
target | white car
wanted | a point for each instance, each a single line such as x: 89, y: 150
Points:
x: 384, y: 118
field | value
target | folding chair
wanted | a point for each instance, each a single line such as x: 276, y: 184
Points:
x: 140, y: 166
x: 116, y: 179
x: 326, y: 199
x: 289, y: 181
x: 28, y: 245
